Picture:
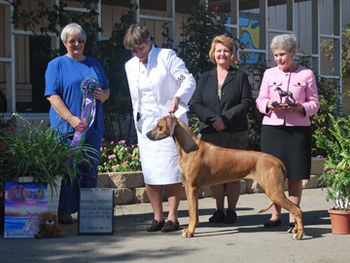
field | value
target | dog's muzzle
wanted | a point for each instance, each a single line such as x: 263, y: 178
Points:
x: 149, y: 135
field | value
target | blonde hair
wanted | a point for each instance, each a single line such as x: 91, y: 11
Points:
x: 227, y: 41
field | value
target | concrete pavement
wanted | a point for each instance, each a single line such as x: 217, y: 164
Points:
x: 244, y: 241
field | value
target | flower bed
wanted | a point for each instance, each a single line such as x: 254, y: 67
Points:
x: 119, y: 157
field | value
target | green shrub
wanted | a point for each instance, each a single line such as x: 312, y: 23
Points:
x: 336, y: 175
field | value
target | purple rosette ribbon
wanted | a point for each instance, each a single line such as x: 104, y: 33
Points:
x: 88, y: 107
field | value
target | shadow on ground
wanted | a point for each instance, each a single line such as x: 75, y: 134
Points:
x: 136, y: 224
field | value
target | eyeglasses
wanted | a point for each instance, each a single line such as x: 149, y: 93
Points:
x: 73, y: 41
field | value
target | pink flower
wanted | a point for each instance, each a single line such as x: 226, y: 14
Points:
x: 111, y: 156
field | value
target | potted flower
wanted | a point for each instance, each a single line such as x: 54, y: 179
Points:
x: 38, y: 154
x: 336, y: 174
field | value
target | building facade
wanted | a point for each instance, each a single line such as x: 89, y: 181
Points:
x: 255, y: 22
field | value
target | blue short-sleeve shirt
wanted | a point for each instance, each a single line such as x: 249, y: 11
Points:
x: 63, y: 77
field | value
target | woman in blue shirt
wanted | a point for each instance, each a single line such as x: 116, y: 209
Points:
x: 65, y: 76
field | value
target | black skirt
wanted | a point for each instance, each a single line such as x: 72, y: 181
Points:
x: 292, y: 145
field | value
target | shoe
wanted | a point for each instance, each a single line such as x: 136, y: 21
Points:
x: 170, y: 226
x: 65, y: 219
x: 217, y: 217
x: 230, y: 216
x: 155, y: 226
x: 272, y: 223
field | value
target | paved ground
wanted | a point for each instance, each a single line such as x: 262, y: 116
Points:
x: 245, y: 241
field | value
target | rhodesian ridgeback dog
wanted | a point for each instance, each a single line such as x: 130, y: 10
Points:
x: 203, y: 163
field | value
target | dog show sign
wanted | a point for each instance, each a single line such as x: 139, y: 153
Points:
x: 96, y: 211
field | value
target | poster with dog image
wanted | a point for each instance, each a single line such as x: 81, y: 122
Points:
x: 23, y: 204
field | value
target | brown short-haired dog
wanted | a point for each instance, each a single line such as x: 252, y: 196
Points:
x: 203, y: 163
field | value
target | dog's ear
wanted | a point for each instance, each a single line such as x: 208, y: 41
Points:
x: 171, y: 123
x: 187, y: 143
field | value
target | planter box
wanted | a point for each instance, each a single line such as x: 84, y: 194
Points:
x: 121, y: 180
x: 129, y: 186
x: 53, y: 197
x: 317, y: 164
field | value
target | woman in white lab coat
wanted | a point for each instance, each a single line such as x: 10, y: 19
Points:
x: 159, y: 84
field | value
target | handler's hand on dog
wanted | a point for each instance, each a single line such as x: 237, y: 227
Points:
x: 174, y: 105
x: 218, y: 124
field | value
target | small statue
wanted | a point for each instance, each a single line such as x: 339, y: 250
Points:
x: 290, y: 101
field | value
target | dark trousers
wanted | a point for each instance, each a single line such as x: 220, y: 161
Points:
x: 69, y: 194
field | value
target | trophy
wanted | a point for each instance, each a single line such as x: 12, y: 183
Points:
x: 289, y: 102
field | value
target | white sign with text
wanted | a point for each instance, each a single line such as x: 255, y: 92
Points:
x: 96, y: 211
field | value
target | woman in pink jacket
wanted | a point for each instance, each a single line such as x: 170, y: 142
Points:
x: 288, y: 97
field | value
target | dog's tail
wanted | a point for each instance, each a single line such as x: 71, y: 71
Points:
x: 266, y: 208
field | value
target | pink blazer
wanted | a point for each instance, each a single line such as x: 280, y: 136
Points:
x: 301, y: 83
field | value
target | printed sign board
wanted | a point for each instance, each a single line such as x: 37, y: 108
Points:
x: 96, y: 211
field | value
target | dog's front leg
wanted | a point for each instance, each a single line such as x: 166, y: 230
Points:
x: 192, y: 198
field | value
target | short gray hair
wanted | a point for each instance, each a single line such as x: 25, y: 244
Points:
x: 135, y: 36
x: 72, y: 28
x: 285, y: 41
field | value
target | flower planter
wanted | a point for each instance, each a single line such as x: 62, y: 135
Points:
x: 340, y: 220
x: 317, y: 164
x: 53, y: 197
x: 130, y: 186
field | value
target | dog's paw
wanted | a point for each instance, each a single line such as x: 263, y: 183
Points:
x: 297, y: 236
x: 186, y: 233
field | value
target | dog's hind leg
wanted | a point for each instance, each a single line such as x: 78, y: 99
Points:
x: 279, y: 198
x: 192, y: 198
x: 297, y: 214
x: 272, y: 183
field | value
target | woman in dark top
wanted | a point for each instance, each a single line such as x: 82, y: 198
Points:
x: 221, y: 103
